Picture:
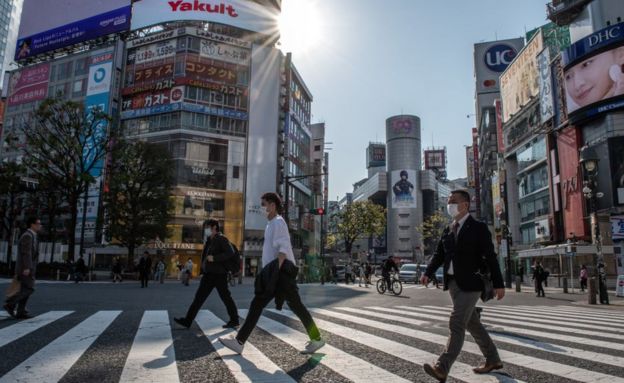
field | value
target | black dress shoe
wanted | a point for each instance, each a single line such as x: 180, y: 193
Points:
x: 183, y: 322
x: 23, y: 316
x: 9, y: 309
x: 435, y: 372
x: 231, y: 325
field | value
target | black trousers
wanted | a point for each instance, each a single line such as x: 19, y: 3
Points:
x: 21, y: 298
x: 294, y: 303
x: 207, y: 283
x: 144, y: 278
x: 539, y: 288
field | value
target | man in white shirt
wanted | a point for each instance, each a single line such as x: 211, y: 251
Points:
x: 276, y: 246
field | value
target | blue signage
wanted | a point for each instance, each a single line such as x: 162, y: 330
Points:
x: 498, y: 57
x: 594, y: 43
x: 88, y: 29
x: 167, y: 108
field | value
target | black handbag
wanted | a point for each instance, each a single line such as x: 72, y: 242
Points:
x: 488, y: 286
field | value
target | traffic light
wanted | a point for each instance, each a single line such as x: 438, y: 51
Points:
x: 317, y: 211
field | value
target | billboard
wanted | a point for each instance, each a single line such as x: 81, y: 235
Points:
x: 28, y: 85
x: 242, y: 14
x: 435, y: 159
x: 470, y: 166
x: 376, y: 155
x: 617, y: 227
x: 224, y: 52
x: 491, y: 59
x: 48, y: 25
x: 149, y: 99
x: 616, y: 155
x: 547, y: 102
x: 593, y: 73
x: 403, y: 190
x: 520, y: 81
x: 500, y: 140
x: 153, y: 52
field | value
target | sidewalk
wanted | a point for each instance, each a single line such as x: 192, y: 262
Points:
x: 574, y: 295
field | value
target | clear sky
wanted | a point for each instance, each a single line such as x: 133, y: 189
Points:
x: 370, y: 59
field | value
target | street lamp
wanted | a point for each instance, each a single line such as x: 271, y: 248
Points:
x: 589, y: 161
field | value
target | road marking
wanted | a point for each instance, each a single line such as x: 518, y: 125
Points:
x: 502, y: 319
x: 152, y: 356
x: 11, y: 333
x: 252, y: 366
x: 576, y: 318
x: 52, y: 362
x: 411, y: 354
x: 523, y: 331
x: 349, y: 366
x: 553, y: 368
x: 525, y: 342
x: 597, y: 313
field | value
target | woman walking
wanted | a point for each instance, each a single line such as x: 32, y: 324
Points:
x: 583, y: 277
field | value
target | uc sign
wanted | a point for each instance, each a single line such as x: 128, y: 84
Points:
x: 499, y: 56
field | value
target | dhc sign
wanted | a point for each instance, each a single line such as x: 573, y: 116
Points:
x: 499, y: 56
x: 601, y: 40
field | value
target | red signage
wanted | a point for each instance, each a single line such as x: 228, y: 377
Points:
x: 499, y: 126
x: 29, y: 84
x: 212, y: 72
x: 568, y: 142
x: 147, y: 100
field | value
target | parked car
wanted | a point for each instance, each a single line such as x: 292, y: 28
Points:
x: 410, y: 272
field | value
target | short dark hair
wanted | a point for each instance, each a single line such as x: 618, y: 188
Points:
x: 31, y: 220
x: 211, y: 223
x: 273, y: 198
x: 464, y: 194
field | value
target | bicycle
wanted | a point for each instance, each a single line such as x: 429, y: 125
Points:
x: 396, y: 287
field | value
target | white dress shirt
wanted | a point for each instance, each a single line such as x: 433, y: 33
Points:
x: 461, y: 224
x: 276, y: 240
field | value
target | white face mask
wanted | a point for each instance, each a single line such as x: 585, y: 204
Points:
x: 208, y: 232
x: 452, y: 209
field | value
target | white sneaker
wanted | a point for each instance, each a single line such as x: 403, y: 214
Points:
x: 312, y: 346
x: 232, y: 344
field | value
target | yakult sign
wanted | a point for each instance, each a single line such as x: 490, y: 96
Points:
x: 242, y: 14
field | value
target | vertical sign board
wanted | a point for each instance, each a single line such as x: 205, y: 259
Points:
x: 98, y: 98
x: 547, y: 104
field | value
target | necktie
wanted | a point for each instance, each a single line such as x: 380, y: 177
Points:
x: 455, y: 229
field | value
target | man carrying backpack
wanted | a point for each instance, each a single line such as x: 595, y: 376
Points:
x: 218, y: 257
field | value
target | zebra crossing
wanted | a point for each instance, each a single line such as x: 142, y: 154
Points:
x: 536, y: 343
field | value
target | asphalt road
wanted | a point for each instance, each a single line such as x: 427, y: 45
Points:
x: 108, y: 332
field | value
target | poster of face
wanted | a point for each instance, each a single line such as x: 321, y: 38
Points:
x: 403, y: 189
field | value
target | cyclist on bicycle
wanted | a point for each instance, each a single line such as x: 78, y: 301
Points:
x: 386, y: 268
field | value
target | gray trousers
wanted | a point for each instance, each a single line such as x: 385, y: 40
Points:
x: 464, y: 317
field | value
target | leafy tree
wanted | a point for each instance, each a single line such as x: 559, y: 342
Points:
x: 431, y: 230
x: 66, y: 143
x: 360, y: 219
x: 137, y: 202
x: 11, y: 199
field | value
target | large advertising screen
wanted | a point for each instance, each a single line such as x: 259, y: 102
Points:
x: 242, y: 14
x: 403, y: 190
x: 520, y: 82
x: 47, y: 25
x: 594, y: 73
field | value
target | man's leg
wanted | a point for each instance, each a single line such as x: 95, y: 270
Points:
x: 253, y: 316
x: 483, y: 339
x: 203, y: 291
x: 296, y: 306
x: 22, y: 298
x: 463, y: 308
x: 225, y: 295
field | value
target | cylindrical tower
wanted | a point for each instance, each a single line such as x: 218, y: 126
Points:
x: 404, y: 194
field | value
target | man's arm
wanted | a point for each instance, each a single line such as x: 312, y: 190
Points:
x: 281, y: 241
x: 225, y: 251
x: 490, y: 258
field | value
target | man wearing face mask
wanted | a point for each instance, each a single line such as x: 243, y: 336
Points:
x: 217, y: 252
x: 464, y: 250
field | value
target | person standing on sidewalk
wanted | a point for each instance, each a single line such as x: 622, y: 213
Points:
x: 25, y: 267
x: 218, y: 252
x: 583, y: 277
x: 538, y: 276
x: 160, y: 271
x: 276, y: 281
x: 145, y: 268
x: 464, y: 251
x: 117, y: 270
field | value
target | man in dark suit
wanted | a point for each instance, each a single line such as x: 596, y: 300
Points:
x: 217, y: 253
x: 145, y: 268
x: 25, y: 267
x: 465, y: 249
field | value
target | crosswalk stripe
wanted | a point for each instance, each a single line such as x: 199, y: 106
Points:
x: 524, y: 342
x: 253, y: 366
x: 492, y: 318
x: 411, y: 354
x: 553, y: 368
x: 547, y: 335
x: 598, y: 313
x: 576, y: 318
x: 152, y: 356
x: 545, y: 321
x: 52, y: 362
x: 349, y: 366
x: 22, y: 328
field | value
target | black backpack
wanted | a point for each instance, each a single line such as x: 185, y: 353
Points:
x: 234, y: 264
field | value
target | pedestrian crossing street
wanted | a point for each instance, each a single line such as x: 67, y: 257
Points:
x: 536, y: 343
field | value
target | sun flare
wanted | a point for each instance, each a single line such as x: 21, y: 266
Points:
x: 300, y: 26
